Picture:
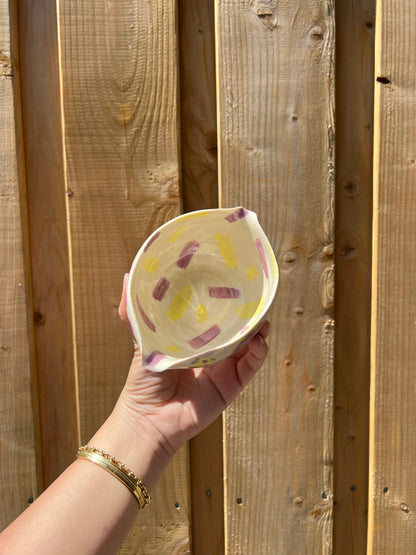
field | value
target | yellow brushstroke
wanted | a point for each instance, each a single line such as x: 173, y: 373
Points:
x: 180, y: 303
x: 227, y: 250
x: 150, y: 263
x: 250, y: 309
x: 193, y: 215
x: 202, y: 362
x: 201, y: 313
x: 251, y: 272
x: 173, y: 349
x: 176, y: 234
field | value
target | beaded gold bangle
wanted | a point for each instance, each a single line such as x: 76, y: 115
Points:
x: 117, y: 469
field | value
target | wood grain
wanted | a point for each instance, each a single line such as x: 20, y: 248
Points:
x: 41, y: 108
x: 354, y: 134
x: 276, y: 155
x: 120, y: 99
x: 206, y: 459
x: 393, y: 417
x: 198, y: 109
x: 200, y: 191
x: 18, y: 415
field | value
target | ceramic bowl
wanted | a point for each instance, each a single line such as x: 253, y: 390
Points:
x: 199, y: 287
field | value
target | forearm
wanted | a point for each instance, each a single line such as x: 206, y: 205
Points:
x: 87, y: 510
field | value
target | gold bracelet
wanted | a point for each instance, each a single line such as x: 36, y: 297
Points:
x: 117, y: 469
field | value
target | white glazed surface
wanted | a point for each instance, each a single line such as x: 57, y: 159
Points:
x: 199, y: 287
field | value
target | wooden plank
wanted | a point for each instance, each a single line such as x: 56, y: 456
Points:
x: 207, y: 489
x: 354, y: 125
x: 19, y: 481
x: 276, y: 156
x: 120, y: 99
x: 198, y: 108
x: 200, y: 191
x: 41, y: 107
x: 393, y: 415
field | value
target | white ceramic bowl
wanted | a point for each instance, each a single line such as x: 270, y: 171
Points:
x: 199, y: 287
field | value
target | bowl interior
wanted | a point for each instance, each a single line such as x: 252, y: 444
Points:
x: 201, y: 281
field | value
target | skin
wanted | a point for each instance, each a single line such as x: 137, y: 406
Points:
x: 86, y: 510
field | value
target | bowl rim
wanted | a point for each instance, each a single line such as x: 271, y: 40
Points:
x: 131, y: 313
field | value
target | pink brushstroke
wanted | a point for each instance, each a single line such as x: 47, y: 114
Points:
x: 144, y: 316
x: 160, y: 289
x: 224, y: 292
x: 154, y: 357
x: 237, y: 215
x: 205, y: 337
x: 263, y: 258
x: 187, y: 253
x: 151, y: 240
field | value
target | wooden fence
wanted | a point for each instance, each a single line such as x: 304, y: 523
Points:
x: 111, y: 117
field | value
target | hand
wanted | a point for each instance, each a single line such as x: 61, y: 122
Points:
x: 180, y: 403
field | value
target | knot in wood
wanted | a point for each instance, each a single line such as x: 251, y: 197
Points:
x: 383, y: 80
x: 316, y: 32
x: 348, y: 249
x: 351, y: 188
x: 266, y: 12
x: 328, y: 250
x: 404, y: 508
x: 38, y: 318
x: 290, y: 258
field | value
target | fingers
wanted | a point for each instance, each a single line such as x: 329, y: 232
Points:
x: 264, y: 330
x: 258, y: 348
x: 254, y: 358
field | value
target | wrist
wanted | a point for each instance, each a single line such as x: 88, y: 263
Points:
x: 131, y: 439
